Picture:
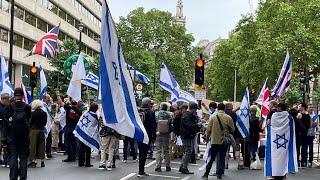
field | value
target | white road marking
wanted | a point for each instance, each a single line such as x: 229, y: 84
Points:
x: 186, y: 178
x: 171, y: 177
x: 150, y: 164
x: 202, y: 167
x: 188, y: 164
x: 128, y: 176
x: 171, y: 168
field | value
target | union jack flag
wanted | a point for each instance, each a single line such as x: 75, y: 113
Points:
x: 47, y: 46
x: 264, y: 103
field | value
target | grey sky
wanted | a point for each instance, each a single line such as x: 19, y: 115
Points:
x: 206, y: 19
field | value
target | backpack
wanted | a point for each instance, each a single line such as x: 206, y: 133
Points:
x: 19, y: 117
x: 163, y: 123
x: 142, y: 114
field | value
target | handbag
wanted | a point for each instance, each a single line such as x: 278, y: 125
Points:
x: 228, y: 139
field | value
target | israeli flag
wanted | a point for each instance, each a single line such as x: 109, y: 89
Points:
x: 43, y: 84
x: 137, y: 74
x: 184, y: 96
x: 47, y: 109
x: 91, y: 80
x: 119, y: 110
x: 87, y: 130
x: 27, y: 97
x: 244, y: 115
x: 281, y: 155
x: 5, y: 85
x: 79, y: 73
x: 168, y: 83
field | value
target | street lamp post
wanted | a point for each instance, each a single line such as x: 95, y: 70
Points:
x: 11, y: 40
x: 80, y: 28
x: 154, y: 48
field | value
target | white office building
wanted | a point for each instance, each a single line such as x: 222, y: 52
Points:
x: 33, y: 18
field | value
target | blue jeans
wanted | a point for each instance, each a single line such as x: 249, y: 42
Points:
x: 253, y: 148
x: 216, y: 150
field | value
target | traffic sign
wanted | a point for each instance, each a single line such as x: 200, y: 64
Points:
x: 139, y: 87
x: 199, y: 95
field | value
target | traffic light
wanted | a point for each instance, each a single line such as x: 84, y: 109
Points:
x: 199, y: 71
x: 33, y: 75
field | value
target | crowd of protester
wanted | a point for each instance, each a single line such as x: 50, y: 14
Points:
x: 174, y: 131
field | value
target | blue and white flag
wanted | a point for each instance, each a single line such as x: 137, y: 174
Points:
x: 5, y: 85
x: 283, y: 82
x: 48, y: 127
x: 74, y: 89
x: 27, y: 97
x: 168, y: 83
x: 244, y: 115
x: 87, y: 130
x: 119, y: 109
x: 184, y: 96
x: 137, y: 74
x: 91, y: 80
x: 43, y: 84
x: 281, y: 155
x: 143, y: 78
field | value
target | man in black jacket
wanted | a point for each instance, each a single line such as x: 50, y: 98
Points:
x: 306, y: 121
x: 3, y: 104
x: 17, y: 117
x: 149, y: 122
x: 188, y: 130
x: 72, y: 117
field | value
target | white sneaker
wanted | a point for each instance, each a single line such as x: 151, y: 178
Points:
x: 125, y: 161
x: 109, y: 168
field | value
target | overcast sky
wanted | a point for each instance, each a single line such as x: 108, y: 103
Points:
x: 206, y: 19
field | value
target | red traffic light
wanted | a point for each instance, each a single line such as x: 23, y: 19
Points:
x: 200, y: 63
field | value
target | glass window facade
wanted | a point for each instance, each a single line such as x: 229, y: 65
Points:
x: 4, y: 35
x: 28, y: 17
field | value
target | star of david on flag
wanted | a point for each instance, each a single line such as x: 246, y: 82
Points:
x: 281, y: 154
x: 85, y: 121
x: 243, y: 116
x: 281, y: 141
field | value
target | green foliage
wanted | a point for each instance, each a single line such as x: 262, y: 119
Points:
x: 55, y: 78
x: 257, y: 47
x: 140, y: 29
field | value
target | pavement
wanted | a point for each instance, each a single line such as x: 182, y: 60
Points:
x: 57, y: 170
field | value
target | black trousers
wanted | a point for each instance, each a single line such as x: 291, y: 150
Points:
x: 310, y: 147
x: 48, y: 144
x: 132, y: 150
x: 84, y: 154
x: 18, y: 150
x: 245, y: 152
x: 304, y: 151
x: 298, y: 147
x: 143, y: 152
x: 70, y: 142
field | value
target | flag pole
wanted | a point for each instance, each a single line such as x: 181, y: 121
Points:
x: 235, y: 86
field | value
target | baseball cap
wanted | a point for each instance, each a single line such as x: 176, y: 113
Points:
x: 18, y: 92
x: 193, y: 105
x: 146, y: 101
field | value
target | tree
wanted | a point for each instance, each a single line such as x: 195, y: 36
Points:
x: 258, y: 45
x: 56, y: 78
x: 140, y: 30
